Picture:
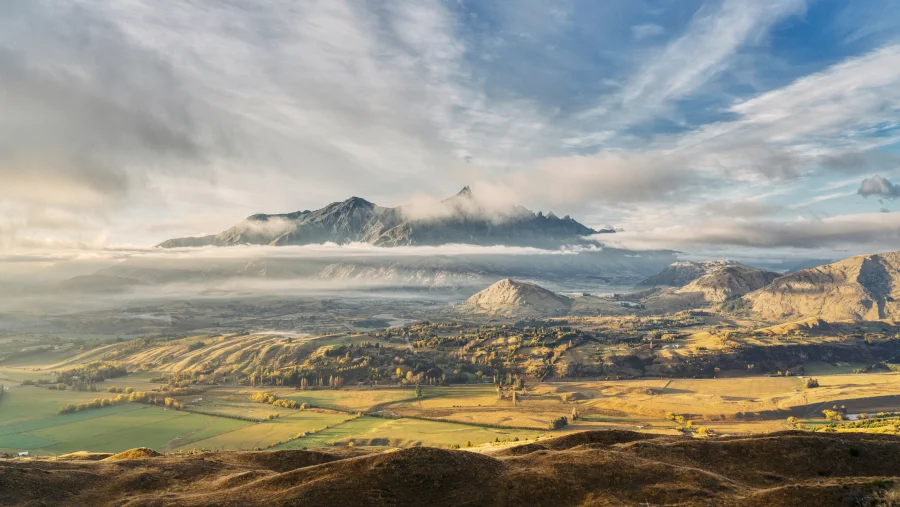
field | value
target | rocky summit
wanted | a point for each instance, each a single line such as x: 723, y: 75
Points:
x: 462, y: 218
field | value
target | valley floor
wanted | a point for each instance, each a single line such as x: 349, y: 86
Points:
x: 465, y: 416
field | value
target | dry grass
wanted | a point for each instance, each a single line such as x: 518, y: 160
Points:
x: 136, y: 453
x: 602, y: 468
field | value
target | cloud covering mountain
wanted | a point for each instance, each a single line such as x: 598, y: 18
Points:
x: 460, y: 219
x: 125, y: 122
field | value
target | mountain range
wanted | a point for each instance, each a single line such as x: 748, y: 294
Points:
x: 461, y: 218
x: 865, y: 287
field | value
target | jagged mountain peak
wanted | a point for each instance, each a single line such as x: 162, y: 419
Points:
x: 458, y: 219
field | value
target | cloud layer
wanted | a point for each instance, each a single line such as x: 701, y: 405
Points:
x: 130, y: 122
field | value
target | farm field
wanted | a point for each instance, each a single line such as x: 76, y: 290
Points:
x: 24, y: 404
x: 348, y: 399
x: 110, y: 429
x: 381, y: 432
x: 12, y: 375
x: 452, y: 415
x: 262, y: 435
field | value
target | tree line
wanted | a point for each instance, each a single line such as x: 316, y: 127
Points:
x: 135, y: 397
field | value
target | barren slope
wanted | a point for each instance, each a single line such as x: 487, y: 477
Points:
x: 512, y: 297
x: 859, y: 288
x: 682, y: 273
x: 729, y: 281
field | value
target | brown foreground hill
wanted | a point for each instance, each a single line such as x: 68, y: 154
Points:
x: 598, y: 468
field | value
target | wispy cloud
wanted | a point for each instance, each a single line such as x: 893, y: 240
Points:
x: 688, y: 62
x: 125, y: 120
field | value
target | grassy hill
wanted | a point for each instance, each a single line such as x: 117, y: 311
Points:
x: 591, y: 468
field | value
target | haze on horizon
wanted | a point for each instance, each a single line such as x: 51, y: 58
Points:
x: 717, y: 128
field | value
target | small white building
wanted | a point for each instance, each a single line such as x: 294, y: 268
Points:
x: 23, y: 454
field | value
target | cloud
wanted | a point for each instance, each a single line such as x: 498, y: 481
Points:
x: 127, y: 119
x: 872, y: 231
x: 105, y: 105
x: 82, y: 105
x: 744, y: 208
x: 647, y: 31
x: 824, y: 119
x: 688, y: 62
x: 876, y: 186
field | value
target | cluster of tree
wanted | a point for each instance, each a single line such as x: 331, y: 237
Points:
x: 273, y: 400
x: 135, y: 397
x: 127, y: 390
x: 97, y: 403
x: 559, y: 423
x: 59, y: 386
x: 836, y: 413
x: 173, y: 390
x: 833, y: 415
x: 83, y: 377
x: 812, y: 383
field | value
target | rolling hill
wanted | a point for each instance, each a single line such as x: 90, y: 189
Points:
x: 602, y: 468
x: 682, y: 273
x: 729, y: 281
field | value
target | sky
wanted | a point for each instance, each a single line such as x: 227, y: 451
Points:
x: 716, y: 128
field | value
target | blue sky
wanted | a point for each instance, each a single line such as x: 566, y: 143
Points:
x: 713, y: 127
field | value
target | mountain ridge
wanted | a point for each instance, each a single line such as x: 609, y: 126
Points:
x: 729, y: 281
x: 681, y: 273
x: 864, y: 287
x: 461, y: 218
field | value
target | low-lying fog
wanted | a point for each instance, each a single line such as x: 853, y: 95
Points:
x: 80, y: 280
